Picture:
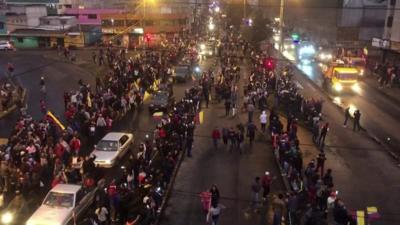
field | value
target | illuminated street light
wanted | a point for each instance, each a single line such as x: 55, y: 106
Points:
x: 211, y: 26
x: 217, y: 9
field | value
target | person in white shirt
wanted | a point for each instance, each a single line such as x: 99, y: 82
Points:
x: 263, y: 120
x: 102, y: 214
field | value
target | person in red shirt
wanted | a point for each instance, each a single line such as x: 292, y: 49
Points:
x: 75, y: 145
x: 216, y: 135
x: 266, y: 184
x: 59, y: 150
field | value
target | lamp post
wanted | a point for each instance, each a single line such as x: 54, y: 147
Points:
x: 281, y: 14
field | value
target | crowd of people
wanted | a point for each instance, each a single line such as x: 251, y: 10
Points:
x: 137, y: 196
x: 388, y: 74
x: 41, y: 154
x: 312, y: 191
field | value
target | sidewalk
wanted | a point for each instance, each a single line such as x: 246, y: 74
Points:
x: 231, y: 172
x: 392, y: 93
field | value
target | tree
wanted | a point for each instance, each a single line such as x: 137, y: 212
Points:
x: 261, y: 29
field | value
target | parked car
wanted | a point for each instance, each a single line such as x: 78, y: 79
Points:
x: 111, y: 147
x: 61, y: 203
x: 160, y: 102
x: 6, y: 46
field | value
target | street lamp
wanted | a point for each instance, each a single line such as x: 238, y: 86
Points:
x: 112, y: 24
x: 211, y: 26
x: 281, y: 14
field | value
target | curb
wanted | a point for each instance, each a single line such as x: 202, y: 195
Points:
x: 169, y: 189
x: 14, y: 106
x: 370, y: 135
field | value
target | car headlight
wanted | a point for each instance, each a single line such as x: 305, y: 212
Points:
x: 356, y: 88
x: 329, y: 56
x: 210, y: 53
x: 322, y: 56
x: 7, y: 218
x: 338, y: 87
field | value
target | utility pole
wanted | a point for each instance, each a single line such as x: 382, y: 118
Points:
x: 195, y: 18
x: 244, y: 9
x: 281, y: 14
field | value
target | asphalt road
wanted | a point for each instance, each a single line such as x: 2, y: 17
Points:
x: 364, y: 174
x: 231, y: 172
x: 379, y: 113
x: 59, y: 77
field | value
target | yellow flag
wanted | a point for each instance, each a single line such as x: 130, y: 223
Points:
x: 50, y: 114
x: 146, y: 96
x: 360, y: 217
x: 201, y: 117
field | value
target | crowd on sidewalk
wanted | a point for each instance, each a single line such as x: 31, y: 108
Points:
x: 388, y: 74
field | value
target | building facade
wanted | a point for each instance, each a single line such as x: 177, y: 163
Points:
x: 90, y: 16
x: 129, y: 30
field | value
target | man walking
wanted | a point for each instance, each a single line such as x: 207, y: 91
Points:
x: 321, y: 163
x: 250, y: 111
x: 263, y: 120
x: 216, y: 135
x: 322, y: 136
x: 357, y: 117
x: 255, y: 189
x: 346, y: 116
x: 251, y: 132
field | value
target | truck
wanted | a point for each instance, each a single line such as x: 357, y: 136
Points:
x: 339, y: 78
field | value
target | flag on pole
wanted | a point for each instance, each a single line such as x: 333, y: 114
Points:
x: 55, y: 119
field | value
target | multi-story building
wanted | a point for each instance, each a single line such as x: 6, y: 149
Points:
x: 130, y: 29
x: 392, y: 25
x: 92, y: 16
x: 54, y: 7
x: 361, y: 20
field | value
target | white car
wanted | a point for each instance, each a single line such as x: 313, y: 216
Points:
x: 111, y: 147
x: 60, y: 204
x: 6, y: 45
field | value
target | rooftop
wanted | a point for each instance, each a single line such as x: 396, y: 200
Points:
x: 66, y: 188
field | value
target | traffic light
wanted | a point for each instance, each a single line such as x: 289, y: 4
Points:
x: 295, y: 38
x: 147, y: 37
x: 269, y: 63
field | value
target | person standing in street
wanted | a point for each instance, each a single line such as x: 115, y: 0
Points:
x: 263, y: 121
x: 42, y: 86
x: 216, y: 135
x: 250, y: 111
x: 213, y: 213
x: 227, y: 106
x: 322, y: 136
x: 225, y: 132
x: 346, y: 116
x: 357, y: 117
x: 189, y: 145
x: 278, y: 208
x: 321, y: 163
x: 255, y: 190
x: 266, y: 184
x: 251, y: 132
